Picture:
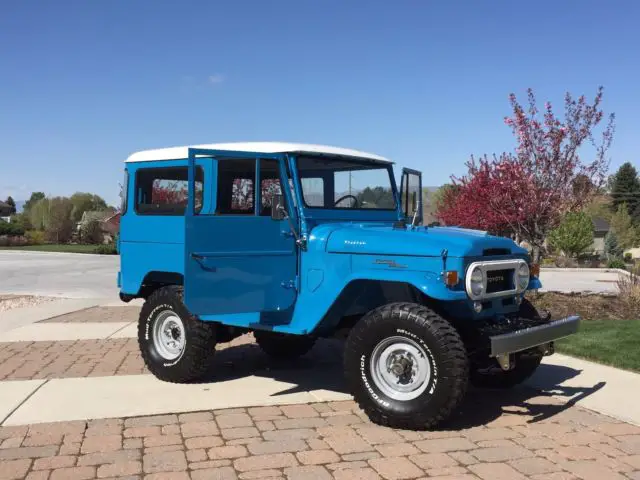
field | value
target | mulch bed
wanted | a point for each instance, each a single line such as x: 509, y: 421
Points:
x: 588, y: 306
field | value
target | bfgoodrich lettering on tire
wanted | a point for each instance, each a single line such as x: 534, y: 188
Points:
x: 406, y: 366
x: 175, y: 346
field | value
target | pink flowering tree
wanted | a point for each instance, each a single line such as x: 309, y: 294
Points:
x: 526, y: 193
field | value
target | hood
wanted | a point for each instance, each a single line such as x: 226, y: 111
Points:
x: 421, y: 241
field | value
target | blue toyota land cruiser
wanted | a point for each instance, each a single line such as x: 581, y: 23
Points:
x: 297, y: 242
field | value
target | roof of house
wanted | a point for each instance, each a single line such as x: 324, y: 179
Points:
x: 176, y: 153
x: 99, y: 215
x: 600, y: 225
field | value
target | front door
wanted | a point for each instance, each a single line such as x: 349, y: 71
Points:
x: 237, y: 258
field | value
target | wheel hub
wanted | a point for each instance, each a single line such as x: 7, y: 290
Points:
x: 169, y: 335
x: 400, y: 368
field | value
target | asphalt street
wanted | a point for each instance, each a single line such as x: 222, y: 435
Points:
x: 65, y: 275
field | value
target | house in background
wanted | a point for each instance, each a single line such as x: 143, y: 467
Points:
x: 600, y: 229
x: 5, y: 212
x: 111, y: 227
x: 109, y: 221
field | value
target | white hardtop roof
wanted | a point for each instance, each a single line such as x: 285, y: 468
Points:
x: 176, y: 153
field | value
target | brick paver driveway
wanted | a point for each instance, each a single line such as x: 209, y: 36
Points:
x: 496, y: 435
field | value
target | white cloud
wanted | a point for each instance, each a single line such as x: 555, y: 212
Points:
x: 216, y: 78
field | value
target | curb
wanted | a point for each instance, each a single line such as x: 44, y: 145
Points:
x: 585, y: 269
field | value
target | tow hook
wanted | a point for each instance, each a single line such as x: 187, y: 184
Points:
x: 547, y: 349
x: 504, y: 360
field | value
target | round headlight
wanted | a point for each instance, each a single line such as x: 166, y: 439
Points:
x: 523, y: 276
x: 476, y: 283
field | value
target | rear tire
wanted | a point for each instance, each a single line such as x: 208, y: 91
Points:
x: 406, y: 366
x: 282, y: 346
x: 526, y: 363
x: 175, y: 346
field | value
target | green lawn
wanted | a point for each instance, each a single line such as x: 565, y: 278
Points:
x: 55, y: 248
x: 611, y: 342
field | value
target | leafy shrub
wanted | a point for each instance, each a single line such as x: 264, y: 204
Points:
x: 628, y: 257
x: 35, y: 237
x: 91, y: 232
x: 11, y: 229
x: 565, y: 262
x: 629, y: 288
x: 106, y: 249
x: 617, y: 263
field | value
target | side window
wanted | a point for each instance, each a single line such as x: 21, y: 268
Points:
x: 411, y: 197
x: 236, y: 187
x: 313, y: 191
x: 269, y: 184
x: 164, y: 191
x: 124, y: 193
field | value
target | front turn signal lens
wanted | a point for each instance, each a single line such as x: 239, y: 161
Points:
x: 451, y: 278
x: 534, y: 269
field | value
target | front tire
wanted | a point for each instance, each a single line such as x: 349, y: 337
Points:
x: 406, y: 366
x: 175, y: 346
x: 282, y: 346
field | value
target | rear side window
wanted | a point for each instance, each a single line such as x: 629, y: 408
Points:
x: 164, y: 191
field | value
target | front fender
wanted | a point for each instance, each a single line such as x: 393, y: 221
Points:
x: 323, y: 282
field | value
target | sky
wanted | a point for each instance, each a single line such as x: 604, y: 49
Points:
x: 83, y: 84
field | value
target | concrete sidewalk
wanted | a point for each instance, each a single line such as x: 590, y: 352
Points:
x: 600, y: 388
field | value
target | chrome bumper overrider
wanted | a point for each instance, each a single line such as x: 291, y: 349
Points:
x: 533, y: 336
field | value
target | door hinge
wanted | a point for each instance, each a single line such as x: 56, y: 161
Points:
x: 290, y: 284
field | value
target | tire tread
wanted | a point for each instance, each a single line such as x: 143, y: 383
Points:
x: 200, y: 349
x: 450, y: 342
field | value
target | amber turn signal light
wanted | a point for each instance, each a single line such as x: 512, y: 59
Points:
x: 451, y: 278
x: 534, y: 270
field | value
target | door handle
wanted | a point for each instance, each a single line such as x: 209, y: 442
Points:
x: 200, y: 259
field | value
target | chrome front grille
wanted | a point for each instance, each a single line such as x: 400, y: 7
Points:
x: 500, y: 280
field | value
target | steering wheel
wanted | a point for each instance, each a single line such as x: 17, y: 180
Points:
x: 344, y: 197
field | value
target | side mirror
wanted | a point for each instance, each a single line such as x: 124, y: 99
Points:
x: 278, y: 212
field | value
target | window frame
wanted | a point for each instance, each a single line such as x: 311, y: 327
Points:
x: 376, y: 165
x: 124, y: 206
x: 219, y: 161
x: 136, y: 203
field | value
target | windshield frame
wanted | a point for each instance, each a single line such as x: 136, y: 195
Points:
x: 365, y: 162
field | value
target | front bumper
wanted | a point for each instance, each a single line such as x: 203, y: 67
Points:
x: 526, y: 338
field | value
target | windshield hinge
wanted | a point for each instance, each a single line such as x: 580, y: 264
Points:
x: 302, y: 242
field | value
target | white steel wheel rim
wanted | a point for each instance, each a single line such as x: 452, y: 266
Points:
x: 400, y: 368
x: 169, y: 335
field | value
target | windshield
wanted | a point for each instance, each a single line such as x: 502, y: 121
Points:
x: 346, y: 184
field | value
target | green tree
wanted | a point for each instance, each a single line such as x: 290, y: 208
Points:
x: 379, y: 197
x: 59, y: 226
x: 611, y: 247
x: 85, y: 202
x: 38, y: 213
x: 574, y: 235
x: 35, y: 198
x: 625, y: 189
x: 22, y: 220
x: 11, y: 202
x: 623, y: 226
